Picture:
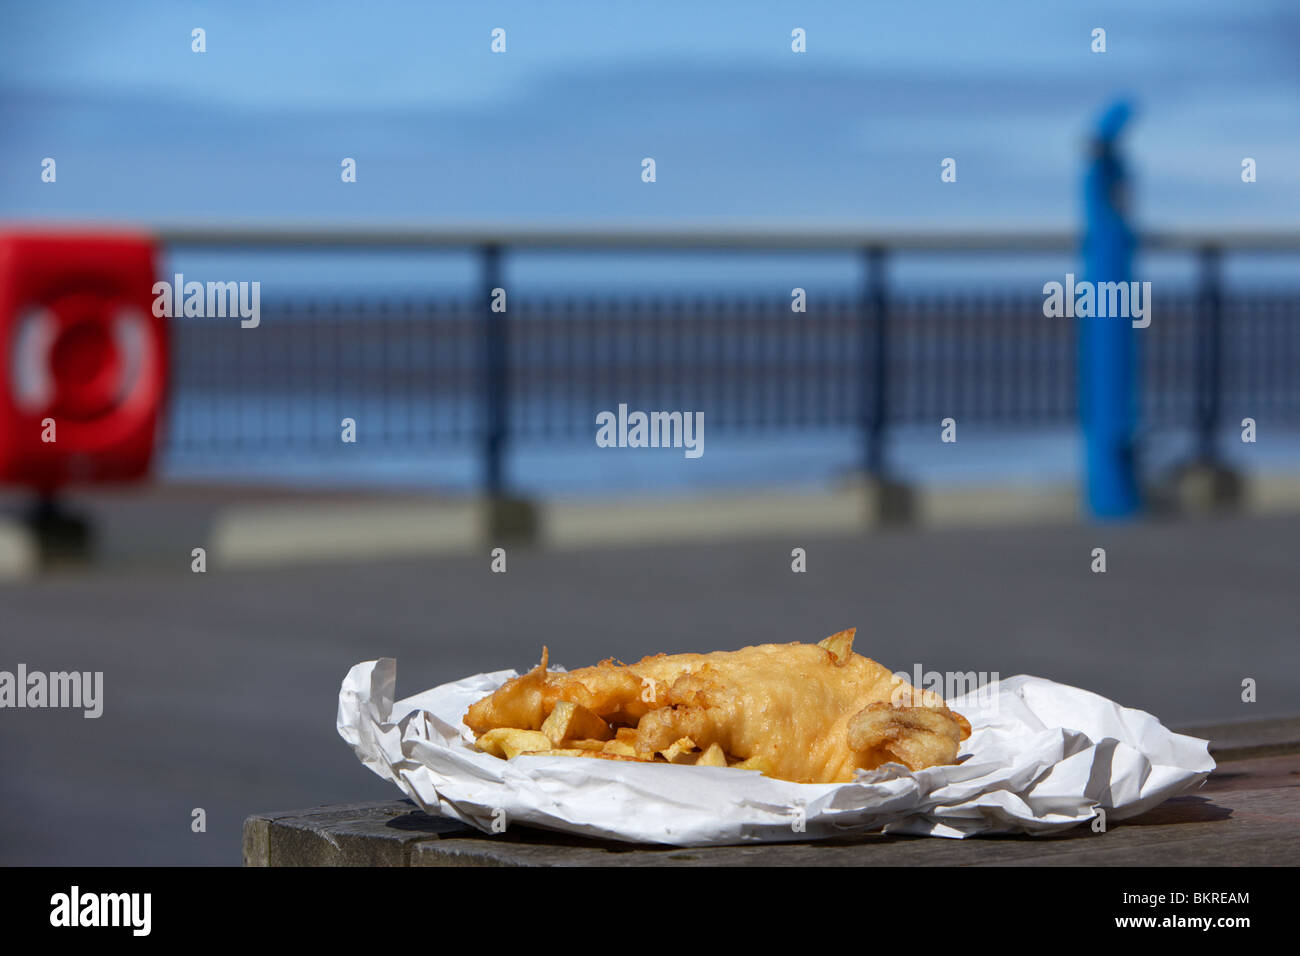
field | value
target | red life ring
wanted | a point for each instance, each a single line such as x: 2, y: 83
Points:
x: 83, y: 359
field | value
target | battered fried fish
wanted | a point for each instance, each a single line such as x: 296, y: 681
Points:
x: 811, y: 713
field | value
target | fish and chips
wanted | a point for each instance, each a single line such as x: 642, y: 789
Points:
x: 809, y: 713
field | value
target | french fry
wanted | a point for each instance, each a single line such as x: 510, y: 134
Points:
x: 712, y: 757
x: 570, y: 721
x: 756, y: 762
x: 509, y: 742
x: 680, y: 750
x: 626, y: 735
x: 593, y: 745
x: 619, y: 747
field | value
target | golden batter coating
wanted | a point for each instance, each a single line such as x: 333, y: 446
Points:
x: 811, y: 713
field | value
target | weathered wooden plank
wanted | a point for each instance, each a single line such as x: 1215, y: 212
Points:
x: 1248, y: 813
x: 367, y: 834
x: 1257, y: 829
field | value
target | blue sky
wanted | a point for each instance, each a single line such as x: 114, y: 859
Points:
x: 554, y: 129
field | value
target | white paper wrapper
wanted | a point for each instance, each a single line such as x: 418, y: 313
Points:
x: 1041, y: 757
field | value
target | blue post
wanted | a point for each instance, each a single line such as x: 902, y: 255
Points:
x: 1108, y: 368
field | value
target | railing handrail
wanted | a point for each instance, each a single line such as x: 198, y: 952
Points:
x: 723, y: 235
x: 595, y: 237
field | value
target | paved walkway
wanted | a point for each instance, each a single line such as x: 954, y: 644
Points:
x: 220, y: 688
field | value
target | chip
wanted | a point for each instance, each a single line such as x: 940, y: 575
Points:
x: 509, y: 742
x: 680, y: 750
x: 570, y: 721
x: 714, y: 756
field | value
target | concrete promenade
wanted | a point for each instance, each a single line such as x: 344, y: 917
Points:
x: 220, y: 688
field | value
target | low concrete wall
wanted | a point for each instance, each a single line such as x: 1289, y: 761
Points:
x: 248, y: 528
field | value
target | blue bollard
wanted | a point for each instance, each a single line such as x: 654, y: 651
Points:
x: 1108, y: 368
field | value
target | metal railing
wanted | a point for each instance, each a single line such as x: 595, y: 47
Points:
x: 432, y: 371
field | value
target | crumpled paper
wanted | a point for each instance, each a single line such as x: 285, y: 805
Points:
x: 1041, y: 757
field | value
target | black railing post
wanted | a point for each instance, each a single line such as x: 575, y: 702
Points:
x: 496, y: 377
x: 1209, y: 363
x: 874, y: 365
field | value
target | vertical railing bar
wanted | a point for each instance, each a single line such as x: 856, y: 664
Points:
x: 496, y: 395
x: 1209, y: 364
x: 873, y: 391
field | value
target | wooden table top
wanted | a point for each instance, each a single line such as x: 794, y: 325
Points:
x: 1248, y: 813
